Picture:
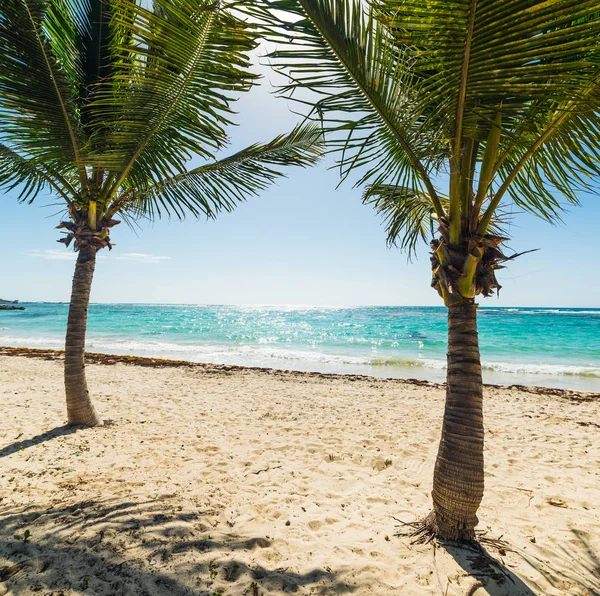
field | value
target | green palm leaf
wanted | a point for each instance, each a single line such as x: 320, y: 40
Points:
x: 171, y: 85
x: 408, y: 89
x: 106, y: 99
x: 346, y: 59
x: 557, y: 155
x: 221, y: 185
x: 17, y: 172
x: 408, y: 216
x: 39, y: 79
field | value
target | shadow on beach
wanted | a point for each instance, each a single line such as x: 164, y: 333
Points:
x: 138, y: 549
x: 151, y: 548
x: 59, y: 431
x: 581, y: 562
x: 492, y: 575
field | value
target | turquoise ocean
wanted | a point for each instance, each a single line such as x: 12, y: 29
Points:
x: 557, y: 347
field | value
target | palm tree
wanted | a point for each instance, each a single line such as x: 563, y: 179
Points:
x: 500, y: 99
x: 104, y: 103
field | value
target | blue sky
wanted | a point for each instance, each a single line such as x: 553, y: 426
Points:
x: 302, y: 242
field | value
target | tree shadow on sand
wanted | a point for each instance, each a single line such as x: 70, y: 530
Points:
x: 576, y: 565
x: 578, y: 559
x: 142, y: 549
x: 59, y: 431
x: 493, y: 576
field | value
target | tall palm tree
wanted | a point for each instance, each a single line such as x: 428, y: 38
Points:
x: 501, y: 99
x: 104, y: 103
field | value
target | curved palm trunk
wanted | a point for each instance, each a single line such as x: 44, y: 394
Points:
x: 79, y: 406
x: 458, y: 476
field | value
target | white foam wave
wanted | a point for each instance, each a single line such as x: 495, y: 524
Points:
x: 541, y: 311
x: 264, y: 355
x: 196, y: 352
x: 512, y: 368
x: 542, y: 369
x: 236, y: 354
x: 30, y: 342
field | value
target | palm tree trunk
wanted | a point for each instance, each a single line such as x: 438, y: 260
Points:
x: 79, y: 406
x: 458, y: 475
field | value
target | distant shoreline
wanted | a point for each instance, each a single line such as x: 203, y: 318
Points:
x: 112, y: 359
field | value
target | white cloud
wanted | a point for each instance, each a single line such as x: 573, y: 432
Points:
x: 142, y: 257
x: 52, y: 255
x: 68, y: 255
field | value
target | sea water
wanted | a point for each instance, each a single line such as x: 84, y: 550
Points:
x: 558, y: 347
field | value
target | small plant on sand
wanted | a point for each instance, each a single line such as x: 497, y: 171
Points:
x: 24, y: 537
x: 231, y: 571
x: 449, y: 112
x: 252, y: 590
x: 103, y: 103
x: 213, y: 570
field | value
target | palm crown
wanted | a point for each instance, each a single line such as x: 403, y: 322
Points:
x: 502, y: 96
x: 105, y: 102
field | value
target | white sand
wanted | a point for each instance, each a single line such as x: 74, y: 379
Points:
x: 214, y: 481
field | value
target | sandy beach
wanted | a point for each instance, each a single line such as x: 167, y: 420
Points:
x: 217, y: 480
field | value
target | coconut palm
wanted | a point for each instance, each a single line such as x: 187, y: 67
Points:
x: 496, y: 100
x: 105, y: 102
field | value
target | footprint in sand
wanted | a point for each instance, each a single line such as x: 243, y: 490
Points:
x: 210, y: 449
x: 315, y: 525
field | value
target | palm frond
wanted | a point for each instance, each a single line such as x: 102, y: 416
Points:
x: 172, y: 84
x: 538, y: 61
x: 94, y: 41
x: 40, y: 76
x: 357, y: 80
x: 556, y: 157
x: 517, y: 52
x: 445, y: 73
x: 222, y: 185
x: 408, y: 216
x: 18, y: 172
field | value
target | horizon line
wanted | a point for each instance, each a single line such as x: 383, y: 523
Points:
x: 279, y: 305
